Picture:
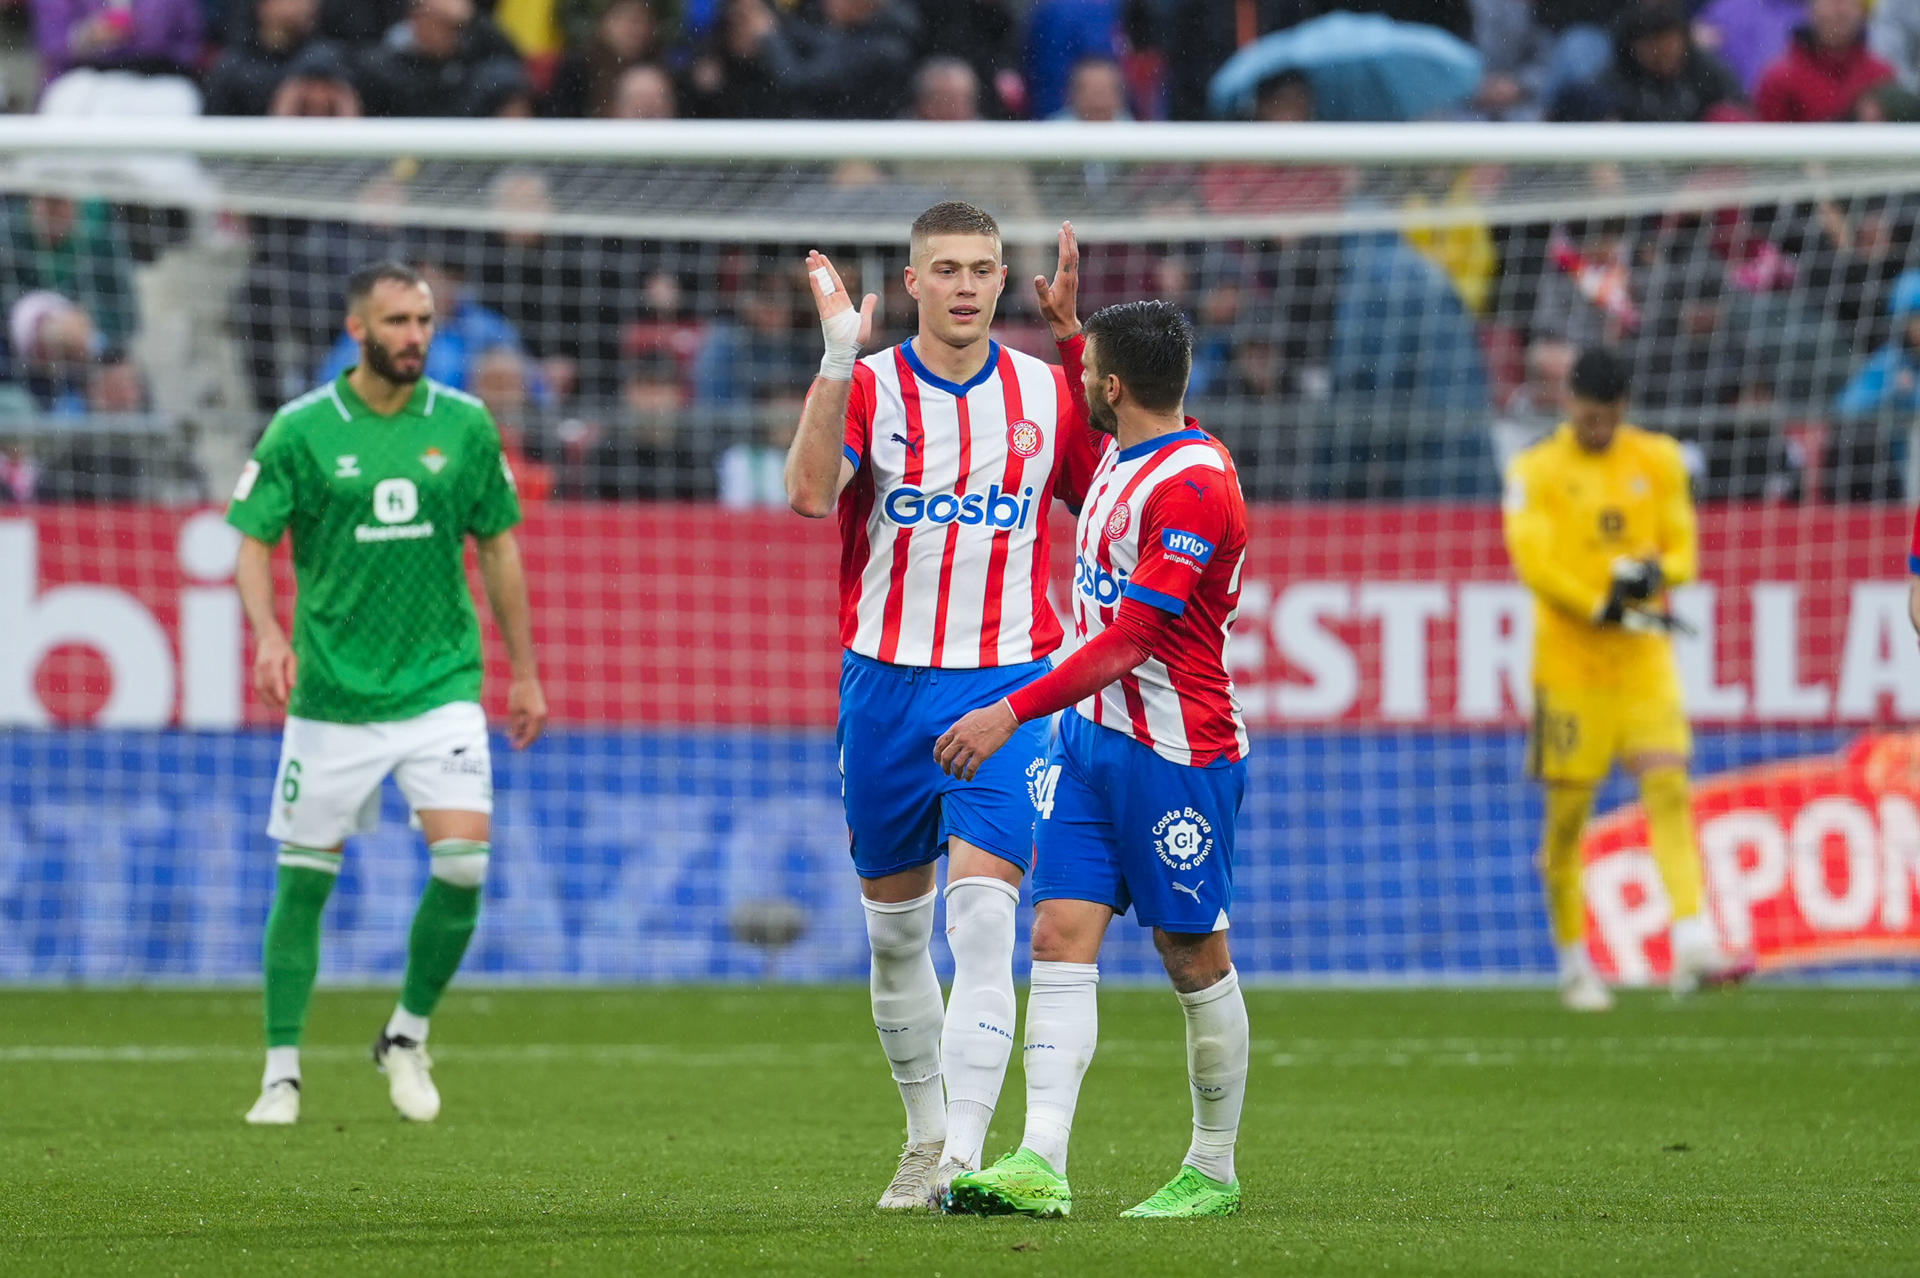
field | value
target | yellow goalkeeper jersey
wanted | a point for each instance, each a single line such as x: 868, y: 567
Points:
x: 1569, y: 514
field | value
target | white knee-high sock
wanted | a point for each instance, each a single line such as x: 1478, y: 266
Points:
x: 907, y: 1010
x: 1063, y: 1024
x: 979, y: 1033
x: 1217, y: 1072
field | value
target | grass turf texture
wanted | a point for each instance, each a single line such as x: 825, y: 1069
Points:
x: 717, y: 1132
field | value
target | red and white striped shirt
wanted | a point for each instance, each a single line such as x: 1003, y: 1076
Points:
x: 1165, y: 524
x: 943, y: 528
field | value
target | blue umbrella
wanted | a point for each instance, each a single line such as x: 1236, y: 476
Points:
x: 1361, y: 66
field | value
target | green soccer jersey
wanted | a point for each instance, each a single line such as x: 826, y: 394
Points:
x: 379, y: 508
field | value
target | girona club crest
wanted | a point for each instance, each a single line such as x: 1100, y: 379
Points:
x: 1024, y: 438
x: 1119, y: 521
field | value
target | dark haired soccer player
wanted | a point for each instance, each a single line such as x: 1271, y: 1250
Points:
x: 379, y: 477
x: 1144, y: 782
x: 1600, y: 524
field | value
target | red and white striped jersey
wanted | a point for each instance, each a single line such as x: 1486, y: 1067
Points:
x: 1164, y: 523
x: 943, y: 528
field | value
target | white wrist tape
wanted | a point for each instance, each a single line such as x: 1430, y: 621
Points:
x: 842, y: 334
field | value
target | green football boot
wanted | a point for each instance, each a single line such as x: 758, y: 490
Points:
x: 1021, y: 1184
x: 1189, y: 1194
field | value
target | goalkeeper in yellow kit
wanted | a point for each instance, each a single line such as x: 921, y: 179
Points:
x: 1599, y: 523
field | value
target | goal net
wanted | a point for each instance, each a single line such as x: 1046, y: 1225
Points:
x: 1384, y: 316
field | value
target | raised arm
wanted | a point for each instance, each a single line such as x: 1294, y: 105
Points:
x: 1059, y: 297
x: 275, y: 668
x: 817, y: 463
x: 505, y: 578
x: 1080, y: 445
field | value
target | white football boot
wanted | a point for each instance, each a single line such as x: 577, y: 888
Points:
x: 279, y: 1104
x: 1704, y: 965
x: 1582, y: 990
x: 940, y: 1184
x: 409, y: 1078
x: 908, y: 1192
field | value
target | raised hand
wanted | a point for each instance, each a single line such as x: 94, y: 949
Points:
x: 831, y: 299
x: 1060, y: 298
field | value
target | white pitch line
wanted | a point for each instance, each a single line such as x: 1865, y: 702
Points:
x: 614, y: 1053
x: 1612, y: 1043
x: 1397, y: 1052
x: 743, y: 1054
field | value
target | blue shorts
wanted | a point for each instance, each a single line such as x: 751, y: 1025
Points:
x: 1121, y: 826
x: 901, y: 808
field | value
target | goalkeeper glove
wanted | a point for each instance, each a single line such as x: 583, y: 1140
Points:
x: 1638, y: 579
x: 1640, y: 621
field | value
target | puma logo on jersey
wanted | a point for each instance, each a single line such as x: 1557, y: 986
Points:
x: 1193, y: 891
x: 1199, y: 490
x: 911, y: 445
x: 346, y: 467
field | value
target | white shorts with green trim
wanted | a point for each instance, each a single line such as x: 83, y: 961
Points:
x: 328, y: 785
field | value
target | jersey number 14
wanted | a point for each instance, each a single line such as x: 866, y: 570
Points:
x: 1044, y: 786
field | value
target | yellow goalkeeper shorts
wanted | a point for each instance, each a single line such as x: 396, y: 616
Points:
x: 1579, y: 732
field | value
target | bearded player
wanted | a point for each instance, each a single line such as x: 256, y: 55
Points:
x: 941, y: 456
x: 379, y: 477
x: 1600, y: 525
x: 1145, y: 779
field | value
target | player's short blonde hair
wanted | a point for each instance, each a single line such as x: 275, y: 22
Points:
x: 953, y: 217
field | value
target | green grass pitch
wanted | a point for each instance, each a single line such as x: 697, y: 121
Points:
x: 1770, y: 1131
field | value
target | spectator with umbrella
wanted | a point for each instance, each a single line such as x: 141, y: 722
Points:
x: 1358, y: 67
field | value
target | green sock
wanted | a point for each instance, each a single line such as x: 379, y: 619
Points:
x: 290, y: 955
x: 442, y: 926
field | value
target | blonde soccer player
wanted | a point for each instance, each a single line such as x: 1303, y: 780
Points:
x: 940, y: 456
x: 1600, y: 525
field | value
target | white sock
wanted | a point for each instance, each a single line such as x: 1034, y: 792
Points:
x: 907, y: 1010
x: 1573, y: 957
x: 1217, y: 1072
x: 978, y: 1038
x: 404, y: 1024
x: 282, y: 1062
x: 1063, y: 1025
x: 1691, y: 933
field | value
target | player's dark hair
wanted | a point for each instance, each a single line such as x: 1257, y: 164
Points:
x: 1600, y: 374
x: 360, y: 284
x: 1148, y: 346
x: 954, y: 217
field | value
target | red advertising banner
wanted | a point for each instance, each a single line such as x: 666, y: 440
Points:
x: 687, y: 614
x: 1808, y: 861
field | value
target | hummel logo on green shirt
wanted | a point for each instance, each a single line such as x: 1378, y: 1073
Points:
x: 379, y: 509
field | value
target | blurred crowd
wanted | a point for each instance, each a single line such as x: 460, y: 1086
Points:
x: 1634, y: 60
x: 1782, y: 339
